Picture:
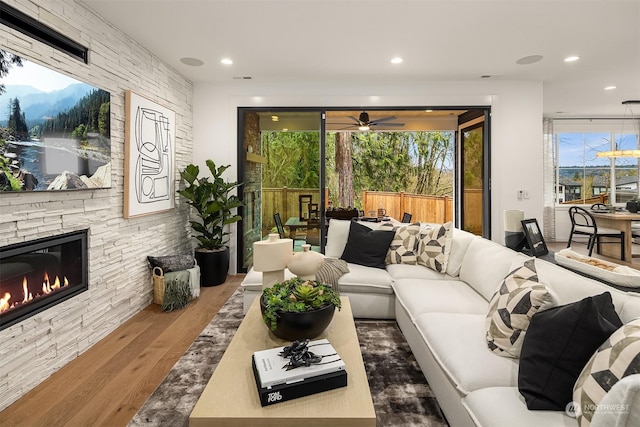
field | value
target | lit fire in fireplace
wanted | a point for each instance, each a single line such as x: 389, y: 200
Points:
x: 47, y: 288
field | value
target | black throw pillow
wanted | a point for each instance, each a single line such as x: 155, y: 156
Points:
x: 366, y: 246
x: 558, y: 344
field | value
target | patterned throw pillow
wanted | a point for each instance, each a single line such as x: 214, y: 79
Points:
x: 434, y: 246
x: 517, y: 299
x: 616, y: 358
x: 403, y: 246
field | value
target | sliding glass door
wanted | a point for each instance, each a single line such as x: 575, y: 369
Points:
x: 473, y: 195
x: 281, y: 173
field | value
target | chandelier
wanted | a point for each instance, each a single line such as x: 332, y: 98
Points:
x: 634, y: 123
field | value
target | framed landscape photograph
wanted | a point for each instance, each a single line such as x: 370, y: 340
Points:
x: 535, y: 241
x: 54, y: 130
x: 149, y: 178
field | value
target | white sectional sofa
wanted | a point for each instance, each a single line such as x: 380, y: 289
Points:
x: 442, y: 316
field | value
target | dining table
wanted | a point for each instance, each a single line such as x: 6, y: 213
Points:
x: 618, y: 221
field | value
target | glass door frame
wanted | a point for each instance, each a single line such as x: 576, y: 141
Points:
x: 469, y: 121
x: 473, y: 113
x: 241, y: 159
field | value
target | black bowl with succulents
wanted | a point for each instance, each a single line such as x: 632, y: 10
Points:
x: 298, y: 309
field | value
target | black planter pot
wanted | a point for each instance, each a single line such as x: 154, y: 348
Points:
x: 633, y: 206
x: 214, y: 266
x: 304, y: 325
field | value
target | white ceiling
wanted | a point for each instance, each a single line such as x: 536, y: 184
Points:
x: 324, y: 41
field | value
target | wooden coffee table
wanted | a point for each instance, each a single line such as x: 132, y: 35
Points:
x: 231, y: 399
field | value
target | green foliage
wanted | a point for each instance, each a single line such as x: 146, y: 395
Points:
x: 17, y: 124
x: 213, y: 202
x: 91, y: 110
x: 414, y: 162
x: 296, y: 295
x: 7, y: 60
x: 293, y: 159
x: 104, y: 119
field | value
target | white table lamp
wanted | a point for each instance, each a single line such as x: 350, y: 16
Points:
x: 271, y: 257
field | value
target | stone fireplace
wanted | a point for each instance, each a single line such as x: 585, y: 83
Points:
x: 39, y: 274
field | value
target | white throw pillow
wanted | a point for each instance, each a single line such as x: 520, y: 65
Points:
x: 434, y: 246
x: 516, y: 300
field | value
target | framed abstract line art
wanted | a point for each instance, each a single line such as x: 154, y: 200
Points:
x: 149, y: 177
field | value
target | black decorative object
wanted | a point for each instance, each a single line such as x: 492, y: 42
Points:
x: 293, y: 326
x: 535, y: 241
x: 633, y: 206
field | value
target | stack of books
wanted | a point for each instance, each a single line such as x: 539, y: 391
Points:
x: 276, y: 383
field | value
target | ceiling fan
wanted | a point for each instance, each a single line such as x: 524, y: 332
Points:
x: 364, y: 123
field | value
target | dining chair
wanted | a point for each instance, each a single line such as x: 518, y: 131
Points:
x: 279, y: 226
x: 406, y: 217
x: 582, y: 222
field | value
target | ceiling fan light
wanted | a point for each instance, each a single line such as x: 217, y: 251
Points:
x: 363, y: 128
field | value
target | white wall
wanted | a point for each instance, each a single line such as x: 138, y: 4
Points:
x: 516, y: 125
x: 119, y: 277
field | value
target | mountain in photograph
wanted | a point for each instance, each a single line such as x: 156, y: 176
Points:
x: 37, y: 104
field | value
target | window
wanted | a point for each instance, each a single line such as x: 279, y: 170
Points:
x: 581, y: 176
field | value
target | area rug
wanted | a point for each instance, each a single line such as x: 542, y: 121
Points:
x: 401, y: 395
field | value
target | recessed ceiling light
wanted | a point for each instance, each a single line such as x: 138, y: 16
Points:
x: 226, y: 61
x: 571, y: 58
x: 275, y: 118
x: 531, y: 59
x: 193, y: 62
x: 396, y: 60
x: 610, y: 87
x: 428, y: 111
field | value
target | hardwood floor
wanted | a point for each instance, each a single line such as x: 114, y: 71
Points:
x: 108, y: 383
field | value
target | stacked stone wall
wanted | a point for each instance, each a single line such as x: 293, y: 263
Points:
x: 119, y: 278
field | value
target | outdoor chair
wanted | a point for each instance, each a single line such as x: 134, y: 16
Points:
x: 583, y: 223
x: 279, y: 226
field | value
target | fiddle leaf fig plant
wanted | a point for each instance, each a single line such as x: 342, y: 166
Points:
x: 212, y: 199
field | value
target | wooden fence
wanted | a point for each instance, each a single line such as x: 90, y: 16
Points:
x: 286, y: 202
x: 423, y: 208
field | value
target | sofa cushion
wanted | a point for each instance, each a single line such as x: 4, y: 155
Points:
x: 406, y: 271
x: 361, y: 279
x: 403, y: 247
x: 485, y: 265
x: 558, y: 344
x: 366, y: 246
x: 419, y: 296
x: 458, y: 345
x: 621, y: 405
x: 517, y: 299
x: 616, y: 358
x: 504, y: 407
x: 460, y: 241
x: 434, y: 246
x: 253, y: 280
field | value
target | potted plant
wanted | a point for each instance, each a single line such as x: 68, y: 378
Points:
x: 211, y: 198
x: 298, y: 309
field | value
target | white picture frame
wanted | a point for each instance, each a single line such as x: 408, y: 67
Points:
x: 149, y: 160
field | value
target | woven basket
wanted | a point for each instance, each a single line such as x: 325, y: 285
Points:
x: 158, y: 285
